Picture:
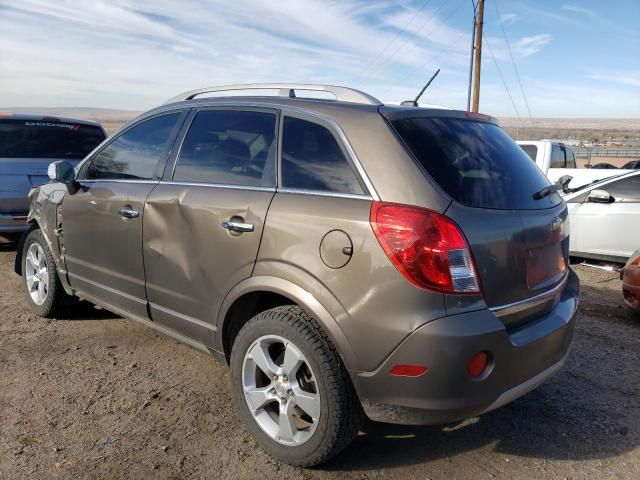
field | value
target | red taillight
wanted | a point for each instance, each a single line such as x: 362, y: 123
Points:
x: 426, y: 247
x: 402, y: 370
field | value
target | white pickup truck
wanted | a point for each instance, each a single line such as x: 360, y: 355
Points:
x: 556, y: 159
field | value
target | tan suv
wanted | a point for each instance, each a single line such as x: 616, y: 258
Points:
x: 344, y: 257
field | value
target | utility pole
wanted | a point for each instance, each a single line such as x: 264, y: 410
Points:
x: 473, y: 46
x: 478, y: 56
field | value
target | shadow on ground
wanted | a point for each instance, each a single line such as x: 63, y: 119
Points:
x: 548, y: 423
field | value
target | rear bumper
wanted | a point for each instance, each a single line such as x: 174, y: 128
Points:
x: 522, y: 359
x: 13, y: 223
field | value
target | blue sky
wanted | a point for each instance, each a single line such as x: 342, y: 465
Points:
x: 575, y: 58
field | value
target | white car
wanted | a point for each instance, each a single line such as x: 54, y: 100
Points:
x: 605, y: 218
x: 556, y: 159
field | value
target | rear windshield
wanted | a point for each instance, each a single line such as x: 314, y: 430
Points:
x: 45, y: 139
x: 476, y: 163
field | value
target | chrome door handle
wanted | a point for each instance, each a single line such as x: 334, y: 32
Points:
x: 127, y: 212
x: 238, y: 226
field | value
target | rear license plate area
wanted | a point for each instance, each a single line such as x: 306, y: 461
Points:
x: 544, y: 264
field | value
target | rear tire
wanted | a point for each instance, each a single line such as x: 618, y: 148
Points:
x: 302, y: 415
x: 43, y: 289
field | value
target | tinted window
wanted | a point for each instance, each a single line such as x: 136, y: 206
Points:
x: 476, y: 163
x: 313, y: 160
x: 135, y: 153
x: 625, y: 190
x: 530, y: 150
x: 47, y: 139
x: 557, y: 156
x: 229, y: 147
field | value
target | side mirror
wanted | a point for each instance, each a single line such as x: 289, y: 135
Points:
x: 63, y: 172
x: 599, y: 196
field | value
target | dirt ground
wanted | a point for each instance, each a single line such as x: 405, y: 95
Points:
x: 97, y: 396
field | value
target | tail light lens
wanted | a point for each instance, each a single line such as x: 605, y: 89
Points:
x: 427, y: 248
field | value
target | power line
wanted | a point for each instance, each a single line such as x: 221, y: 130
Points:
x: 443, y: 50
x: 506, y: 87
x: 504, y: 33
x: 380, y: 69
x: 395, y: 37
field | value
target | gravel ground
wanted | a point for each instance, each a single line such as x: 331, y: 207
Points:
x: 97, y: 396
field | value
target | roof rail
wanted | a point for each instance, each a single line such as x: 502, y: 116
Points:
x: 342, y: 94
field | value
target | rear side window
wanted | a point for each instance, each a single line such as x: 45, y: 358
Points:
x: 229, y: 147
x: 476, y: 163
x: 557, y: 157
x: 135, y: 154
x: 313, y: 160
x: 530, y: 150
x: 47, y: 139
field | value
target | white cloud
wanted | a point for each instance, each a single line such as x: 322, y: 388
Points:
x: 508, y: 17
x: 134, y: 54
x: 572, y: 7
x: 631, y: 79
x: 527, y: 46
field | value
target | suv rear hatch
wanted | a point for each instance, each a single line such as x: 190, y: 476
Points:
x: 520, y: 245
x: 28, y: 146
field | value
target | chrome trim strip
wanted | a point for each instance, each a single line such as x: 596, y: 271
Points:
x: 115, y: 180
x: 324, y: 194
x: 521, y: 305
x: 219, y: 185
x: 104, y: 287
x: 186, y: 318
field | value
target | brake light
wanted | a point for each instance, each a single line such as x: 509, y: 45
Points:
x: 427, y: 248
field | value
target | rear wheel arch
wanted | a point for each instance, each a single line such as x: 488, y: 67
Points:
x: 261, y: 293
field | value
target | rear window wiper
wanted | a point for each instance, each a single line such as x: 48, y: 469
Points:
x: 546, y: 191
x: 561, y: 184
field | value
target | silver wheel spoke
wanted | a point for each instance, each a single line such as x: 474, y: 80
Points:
x: 286, y: 428
x: 30, y: 282
x: 41, y: 291
x: 292, y: 360
x: 307, y: 401
x: 279, y: 405
x: 262, y: 359
x: 33, y: 259
x: 41, y: 259
x: 258, y: 397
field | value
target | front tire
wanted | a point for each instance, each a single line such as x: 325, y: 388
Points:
x: 291, y: 388
x: 43, y: 289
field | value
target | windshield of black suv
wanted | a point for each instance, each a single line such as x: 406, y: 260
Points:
x: 47, y: 139
x: 475, y: 162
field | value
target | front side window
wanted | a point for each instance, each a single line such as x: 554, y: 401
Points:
x: 135, y: 154
x: 313, y: 160
x: 557, y: 156
x: 626, y: 190
x: 229, y: 147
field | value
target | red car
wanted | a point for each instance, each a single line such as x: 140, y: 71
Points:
x: 630, y: 276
